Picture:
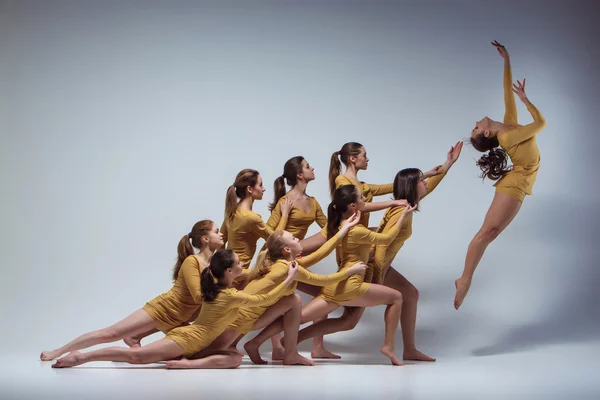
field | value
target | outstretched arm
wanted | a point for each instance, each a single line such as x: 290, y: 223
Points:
x: 382, y: 205
x: 513, y: 137
x: 510, y: 107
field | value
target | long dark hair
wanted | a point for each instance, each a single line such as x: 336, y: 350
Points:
x: 342, y: 198
x: 493, y: 164
x: 292, y: 167
x: 245, y: 178
x: 210, y: 280
x: 405, y: 185
x: 335, y: 167
x: 185, y: 249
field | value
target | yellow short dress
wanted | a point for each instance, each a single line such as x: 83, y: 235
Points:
x: 355, y: 247
x: 520, y: 144
x: 215, y: 317
x: 171, y: 309
x: 242, y: 232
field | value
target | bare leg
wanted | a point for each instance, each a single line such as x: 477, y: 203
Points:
x: 346, y: 322
x: 500, y: 214
x: 135, y: 341
x: 164, y: 349
x: 408, y: 319
x: 315, y: 308
x: 377, y: 295
x: 230, y: 336
x: 318, y: 347
x: 276, y: 310
x: 218, y: 360
x: 139, y: 321
x: 290, y: 322
x: 222, y: 343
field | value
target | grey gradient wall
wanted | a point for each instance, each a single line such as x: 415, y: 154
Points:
x: 123, y: 123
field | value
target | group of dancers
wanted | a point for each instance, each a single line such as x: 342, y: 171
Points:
x: 217, y: 298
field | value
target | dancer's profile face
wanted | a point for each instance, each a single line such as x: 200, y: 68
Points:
x: 215, y: 238
x: 292, y: 243
x: 481, y: 126
x: 360, y: 201
x: 258, y: 189
x: 361, y: 161
x: 236, y: 268
x: 421, y: 187
x: 308, y: 172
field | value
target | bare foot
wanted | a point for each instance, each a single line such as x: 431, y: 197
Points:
x: 391, y: 354
x: 462, y: 287
x: 183, y: 363
x: 235, y: 350
x: 253, y: 353
x: 322, y: 352
x: 132, y: 342
x: 48, y: 355
x: 416, y: 355
x: 277, y: 354
x: 70, y: 360
x: 297, y: 359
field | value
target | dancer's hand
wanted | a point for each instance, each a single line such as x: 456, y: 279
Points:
x: 349, y: 223
x: 501, y: 50
x: 519, y: 89
x: 286, y: 207
x: 452, y: 156
x: 408, y: 210
x: 400, y: 203
x: 292, y: 271
x: 358, y: 268
x: 432, y: 172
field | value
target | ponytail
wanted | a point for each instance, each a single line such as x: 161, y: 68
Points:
x: 342, y: 198
x: 279, y: 190
x: 209, y: 285
x: 230, y: 203
x: 245, y: 178
x: 494, y: 164
x: 334, y: 219
x: 185, y: 249
x: 291, y: 169
x: 335, y: 168
x: 210, y: 280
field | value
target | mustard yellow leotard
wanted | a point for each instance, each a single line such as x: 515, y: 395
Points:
x: 298, y: 221
x: 215, y: 317
x: 249, y: 314
x: 243, y: 231
x: 171, y: 309
x: 520, y: 144
x: 368, y: 190
x: 355, y: 247
x: 385, y: 254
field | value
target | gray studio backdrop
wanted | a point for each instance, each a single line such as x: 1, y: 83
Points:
x: 123, y: 123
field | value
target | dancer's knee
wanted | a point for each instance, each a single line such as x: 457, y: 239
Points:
x: 397, y: 297
x: 487, y: 234
x: 110, y: 334
x: 349, y: 321
x: 411, y: 294
x: 137, y: 356
x: 297, y: 300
